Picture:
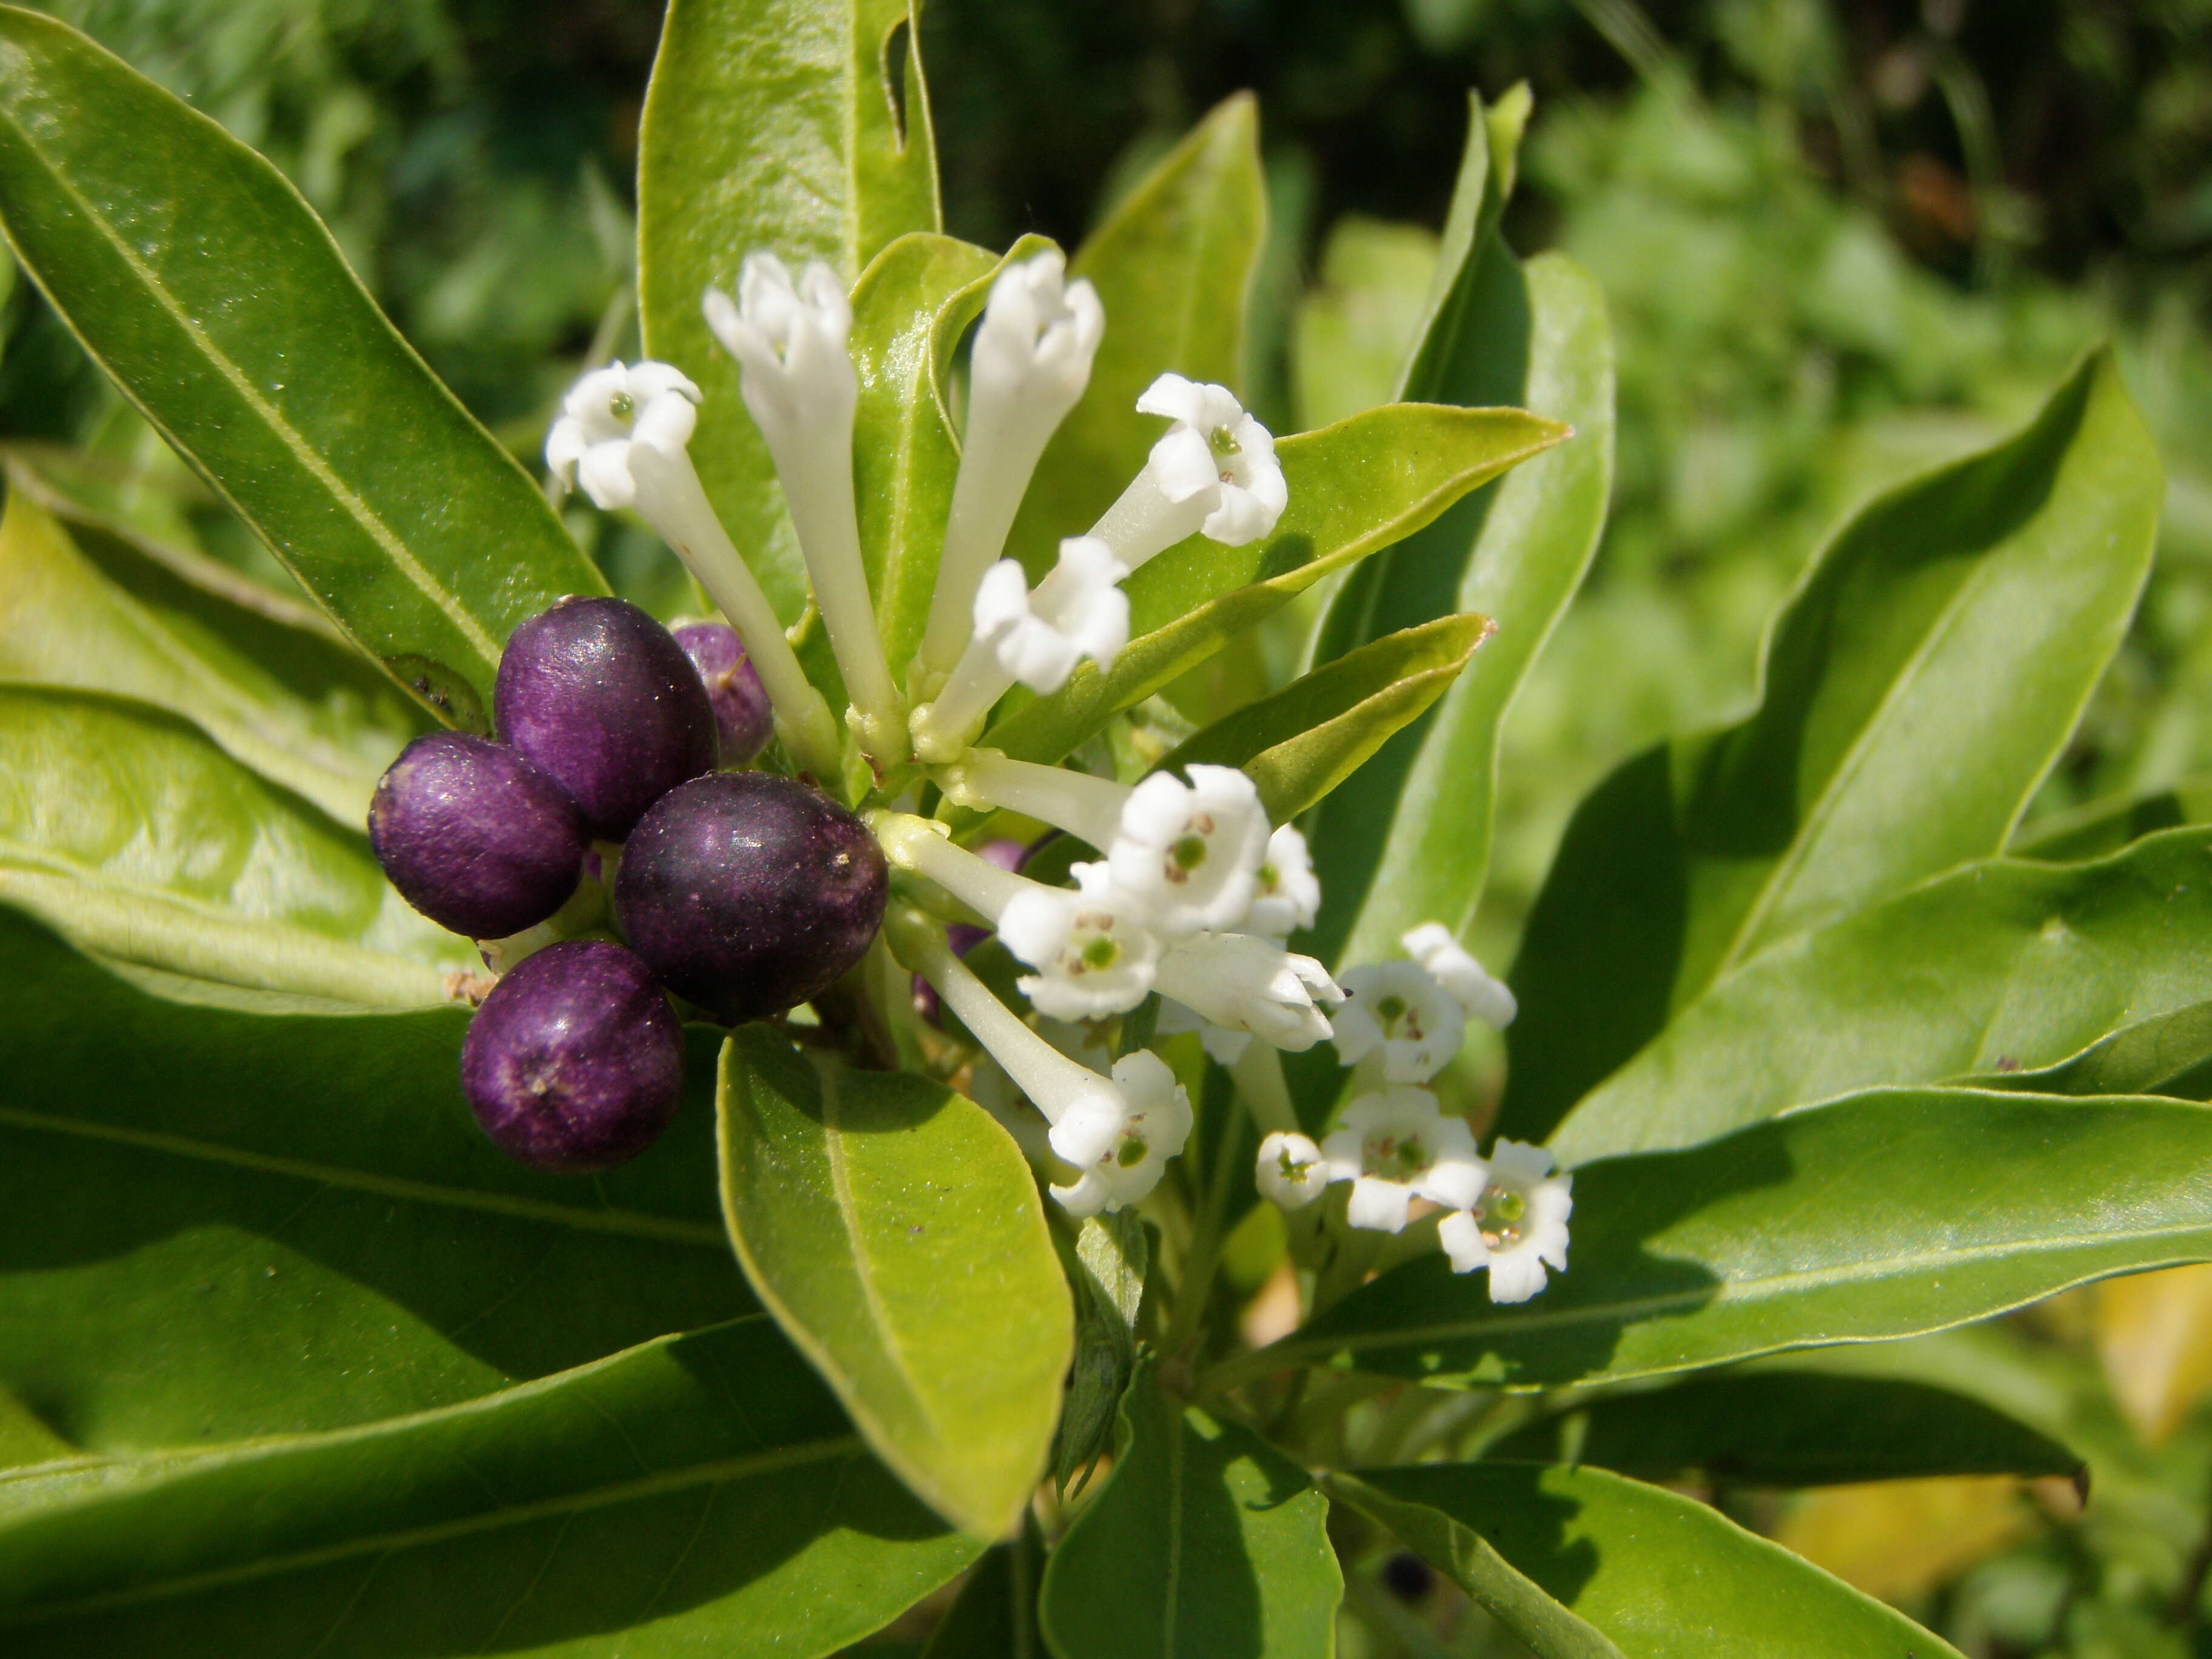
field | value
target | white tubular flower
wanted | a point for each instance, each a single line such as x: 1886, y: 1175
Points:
x: 1089, y: 808
x: 922, y: 847
x: 1292, y: 1170
x: 1087, y: 1112
x: 1246, y: 984
x: 1286, y: 893
x: 623, y: 435
x: 1093, y: 953
x: 1031, y: 363
x: 1447, y: 962
x: 1035, y: 638
x: 1519, y: 1223
x: 1395, y: 1009
x: 1213, y: 471
x: 1223, y: 1046
x: 1154, y: 1122
x: 1190, y: 852
x: 798, y: 381
x: 1396, y: 1146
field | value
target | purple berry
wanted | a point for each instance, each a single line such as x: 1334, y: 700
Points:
x: 747, y: 892
x: 600, y: 695
x: 575, y: 1060
x: 474, y: 837
x: 741, y: 706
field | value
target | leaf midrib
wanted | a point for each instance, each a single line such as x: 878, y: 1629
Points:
x: 623, y: 1222
x: 355, y: 508
x: 1736, y: 1292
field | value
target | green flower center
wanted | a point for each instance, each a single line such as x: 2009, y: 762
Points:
x: 1188, y: 853
x: 621, y: 406
x: 1100, y: 951
x: 1509, y: 1207
x: 1131, y: 1154
x: 1223, y: 444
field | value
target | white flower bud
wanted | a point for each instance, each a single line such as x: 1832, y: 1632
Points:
x: 1447, y: 962
x: 1241, y: 983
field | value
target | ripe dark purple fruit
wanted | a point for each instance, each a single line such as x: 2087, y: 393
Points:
x: 575, y: 1060
x: 601, y: 696
x: 474, y: 837
x: 748, y: 892
x: 741, y: 706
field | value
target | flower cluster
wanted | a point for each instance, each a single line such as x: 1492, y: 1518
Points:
x: 1400, y: 1024
x: 1194, y: 892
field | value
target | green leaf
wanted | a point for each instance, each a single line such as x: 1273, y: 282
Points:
x: 1999, y: 965
x: 797, y: 127
x: 1173, y: 264
x: 1455, y: 343
x: 700, y: 1492
x: 1884, y: 1215
x: 199, y: 280
x: 1355, y: 487
x: 130, y: 832
x: 224, y: 1225
x: 1423, y: 810
x: 1782, y: 1427
x: 2168, y: 1054
x: 1204, y: 1540
x: 1106, y: 1269
x: 1918, y: 686
x: 904, y: 453
x: 2107, y: 826
x: 895, y: 1231
x: 1460, y: 1551
x: 1664, y: 1576
x: 1309, y: 737
x: 96, y: 610
x: 996, y: 1614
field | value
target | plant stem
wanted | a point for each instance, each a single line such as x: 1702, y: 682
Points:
x: 1186, y: 1324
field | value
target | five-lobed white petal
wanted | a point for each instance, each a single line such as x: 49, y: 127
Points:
x: 1397, y: 1010
x: 1517, y: 1224
x: 1122, y: 1165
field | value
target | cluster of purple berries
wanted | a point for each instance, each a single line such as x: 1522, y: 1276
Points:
x: 743, y: 892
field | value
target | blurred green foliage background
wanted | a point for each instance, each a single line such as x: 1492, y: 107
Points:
x: 1842, y: 238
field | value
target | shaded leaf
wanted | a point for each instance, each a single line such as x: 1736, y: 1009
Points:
x: 1918, y: 685
x: 225, y: 1224
x: 95, y: 611
x: 701, y: 1490
x: 1883, y: 1215
x: 1204, y: 1541
x: 1355, y: 487
x: 200, y: 281
x: 1664, y: 1576
x: 996, y: 1614
x: 1106, y: 1269
x: 895, y: 1231
x: 1782, y: 1427
x: 2167, y: 1054
x: 797, y: 127
x: 130, y: 832
x: 1463, y: 1555
x: 1999, y: 964
x: 2107, y: 826
x: 1173, y: 263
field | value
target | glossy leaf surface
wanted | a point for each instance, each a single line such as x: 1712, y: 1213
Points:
x: 895, y: 1231
x: 1458, y: 1550
x: 201, y: 282
x: 2168, y: 1054
x: 1918, y: 685
x: 129, y: 831
x: 1499, y: 331
x: 702, y: 1492
x: 1305, y: 739
x: 300, y: 707
x: 1173, y: 263
x: 1780, y: 1427
x: 1664, y: 1576
x: 1355, y: 487
x: 1204, y: 1541
x: 2003, y: 964
x: 225, y: 1224
x: 1883, y: 1215
x: 799, y: 128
